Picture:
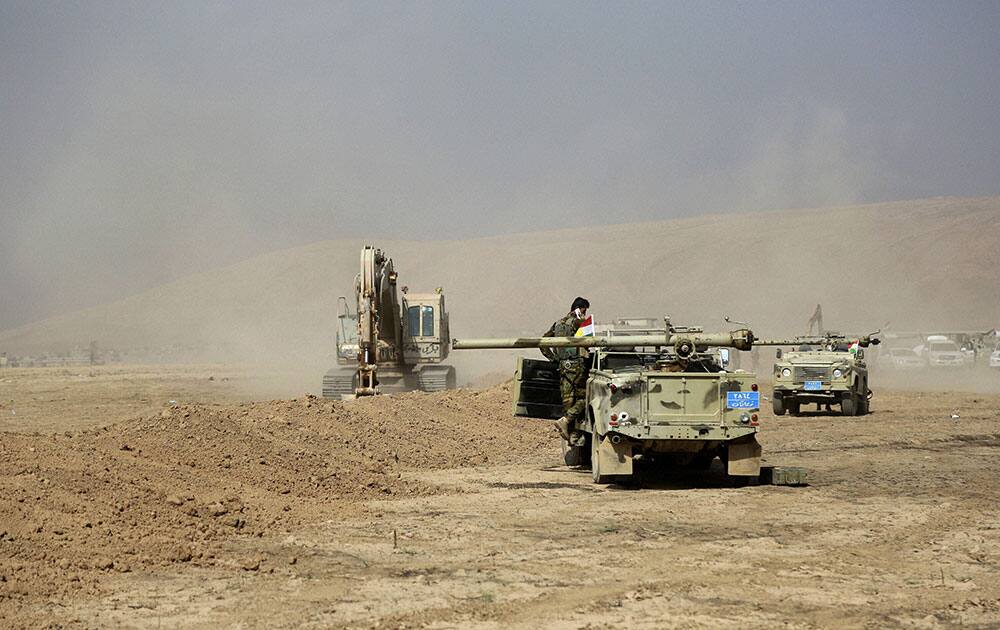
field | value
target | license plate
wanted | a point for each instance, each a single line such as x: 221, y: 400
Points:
x: 743, y: 400
x: 812, y: 386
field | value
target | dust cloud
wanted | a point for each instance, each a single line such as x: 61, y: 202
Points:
x: 920, y: 265
x: 144, y: 144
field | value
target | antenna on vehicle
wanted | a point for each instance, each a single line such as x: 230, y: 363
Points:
x: 733, y: 321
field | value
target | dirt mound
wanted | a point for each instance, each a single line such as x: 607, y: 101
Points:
x: 174, y: 487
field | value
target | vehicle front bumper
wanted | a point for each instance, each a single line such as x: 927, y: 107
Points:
x: 947, y: 362
x: 830, y: 392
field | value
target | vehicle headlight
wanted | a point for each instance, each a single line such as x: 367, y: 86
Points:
x: 838, y: 373
x: 786, y: 372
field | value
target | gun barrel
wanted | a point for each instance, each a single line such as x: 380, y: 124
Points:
x: 789, y: 342
x: 742, y: 340
x: 864, y: 341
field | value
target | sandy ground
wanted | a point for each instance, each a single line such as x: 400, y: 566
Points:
x: 441, y: 511
x: 64, y: 399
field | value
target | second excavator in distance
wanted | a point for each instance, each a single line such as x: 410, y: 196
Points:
x: 387, y: 343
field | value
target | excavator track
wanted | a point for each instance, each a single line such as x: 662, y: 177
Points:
x: 435, y: 378
x: 338, y: 383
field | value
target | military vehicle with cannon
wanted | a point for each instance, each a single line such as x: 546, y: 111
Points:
x: 656, y: 396
x: 388, y: 343
x: 825, y: 371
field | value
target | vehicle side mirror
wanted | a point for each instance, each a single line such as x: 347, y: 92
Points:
x: 724, y: 356
x: 777, y: 353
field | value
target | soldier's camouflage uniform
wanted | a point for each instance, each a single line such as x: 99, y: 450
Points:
x: 573, y: 367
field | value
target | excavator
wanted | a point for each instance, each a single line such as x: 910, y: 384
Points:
x: 389, y: 343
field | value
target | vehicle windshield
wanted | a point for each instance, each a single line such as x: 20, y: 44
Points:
x: 624, y: 361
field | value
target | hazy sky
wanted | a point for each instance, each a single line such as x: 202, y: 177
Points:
x: 143, y: 141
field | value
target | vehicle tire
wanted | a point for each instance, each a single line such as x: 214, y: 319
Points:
x: 848, y: 405
x: 574, y: 455
x: 595, y: 462
x: 793, y: 407
x: 702, y: 461
x: 779, y: 405
x: 865, y: 404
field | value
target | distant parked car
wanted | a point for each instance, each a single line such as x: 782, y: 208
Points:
x: 904, y: 359
x: 943, y: 352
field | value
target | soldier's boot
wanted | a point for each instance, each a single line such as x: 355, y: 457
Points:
x: 562, y: 426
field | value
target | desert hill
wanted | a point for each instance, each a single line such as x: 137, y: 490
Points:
x: 924, y: 263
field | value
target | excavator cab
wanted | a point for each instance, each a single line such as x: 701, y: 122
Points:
x: 425, y: 328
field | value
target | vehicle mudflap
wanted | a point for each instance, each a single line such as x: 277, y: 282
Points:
x: 616, y: 459
x: 743, y: 457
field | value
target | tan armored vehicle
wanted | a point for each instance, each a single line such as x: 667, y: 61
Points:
x: 825, y: 371
x: 388, y: 343
x: 661, y: 396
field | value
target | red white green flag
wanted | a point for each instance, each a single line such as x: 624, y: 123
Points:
x: 586, y: 328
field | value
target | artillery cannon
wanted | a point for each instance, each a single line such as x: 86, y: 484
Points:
x: 657, y: 396
x: 829, y: 340
x: 685, y: 344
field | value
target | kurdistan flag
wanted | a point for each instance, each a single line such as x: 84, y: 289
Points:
x: 586, y: 328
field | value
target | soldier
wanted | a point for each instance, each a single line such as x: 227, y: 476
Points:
x: 572, y: 367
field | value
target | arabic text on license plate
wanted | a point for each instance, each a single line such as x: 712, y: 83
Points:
x: 743, y: 400
x: 814, y: 385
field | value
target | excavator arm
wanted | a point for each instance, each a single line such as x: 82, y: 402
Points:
x: 378, y: 317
